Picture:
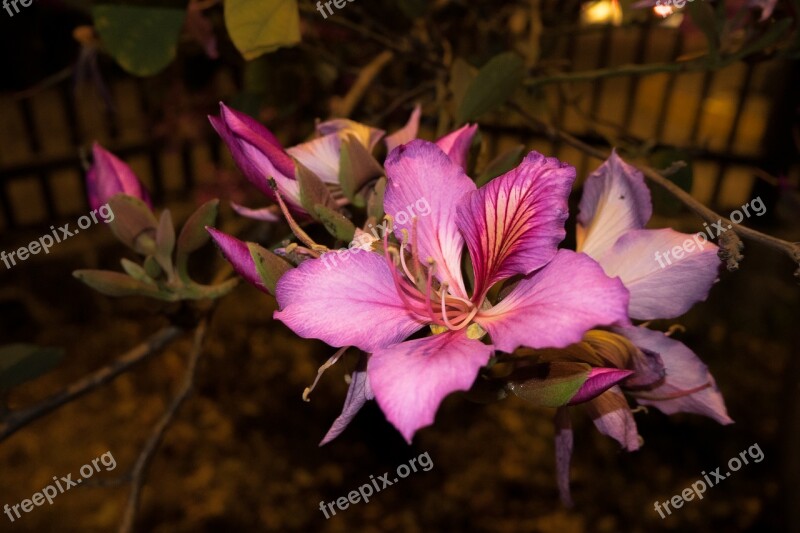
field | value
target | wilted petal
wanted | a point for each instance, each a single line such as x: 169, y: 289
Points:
x: 346, y: 299
x: 514, y: 223
x: 366, y: 135
x: 108, y: 176
x: 238, y: 255
x: 688, y: 386
x: 613, y: 417
x: 564, y: 447
x: 424, y: 183
x: 599, y: 381
x: 615, y: 199
x: 407, y: 133
x: 555, y: 306
x: 661, y: 285
x: 357, y: 395
x: 265, y: 214
x: 410, y: 379
x: 649, y: 371
x: 456, y: 144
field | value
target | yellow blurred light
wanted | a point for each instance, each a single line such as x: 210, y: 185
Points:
x: 602, y: 12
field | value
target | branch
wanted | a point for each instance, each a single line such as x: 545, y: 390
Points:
x: 19, y: 419
x: 139, y: 470
x: 343, y: 107
x: 730, y: 244
x: 625, y: 70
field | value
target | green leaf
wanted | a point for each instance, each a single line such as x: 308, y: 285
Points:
x: 23, y: 362
x: 356, y: 168
x: 258, y: 27
x: 116, y: 284
x: 549, y: 384
x: 165, y: 241
x: 462, y: 74
x: 270, y: 267
x: 704, y: 18
x: 134, y: 224
x: 136, y: 271
x: 336, y: 223
x: 495, y: 84
x: 151, y: 267
x: 500, y: 165
x: 375, y: 201
x: 142, y: 40
x: 193, y: 234
x: 313, y: 190
x: 767, y: 39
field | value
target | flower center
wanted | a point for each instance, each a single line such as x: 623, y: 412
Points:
x: 419, y: 290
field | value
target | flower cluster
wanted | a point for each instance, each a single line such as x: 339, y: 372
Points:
x: 473, y: 292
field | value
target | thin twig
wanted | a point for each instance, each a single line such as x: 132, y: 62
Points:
x: 730, y: 244
x: 139, y: 470
x: 19, y: 419
x: 344, y: 107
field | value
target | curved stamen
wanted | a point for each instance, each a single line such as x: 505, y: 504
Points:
x: 415, y: 249
x: 444, y: 308
x: 428, y: 287
x: 466, y: 302
x: 467, y: 319
x: 393, y: 269
x: 403, y: 259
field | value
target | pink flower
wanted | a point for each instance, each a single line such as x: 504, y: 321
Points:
x: 614, y: 209
x: 259, y: 154
x: 108, y: 176
x: 511, y: 227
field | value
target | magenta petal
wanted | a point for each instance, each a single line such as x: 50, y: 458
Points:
x: 514, y: 223
x: 599, y: 381
x: 109, y: 175
x: 238, y: 255
x: 456, y: 144
x: 661, y: 285
x: 252, y: 131
x: 423, y: 183
x: 407, y: 133
x: 265, y: 214
x: 564, y: 446
x: 357, y: 395
x: 615, y: 199
x: 346, y: 299
x: 257, y: 154
x: 554, y: 307
x: 410, y: 379
x: 688, y: 386
x: 612, y: 417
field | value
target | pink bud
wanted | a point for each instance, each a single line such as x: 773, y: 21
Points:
x: 108, y: 176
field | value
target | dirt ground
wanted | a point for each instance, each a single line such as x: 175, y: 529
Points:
x: 243, y: 456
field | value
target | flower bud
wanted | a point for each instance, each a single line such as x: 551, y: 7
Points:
x: 108, y: 176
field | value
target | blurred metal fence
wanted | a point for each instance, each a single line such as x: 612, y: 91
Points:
x: 730, y: 121
x: 45, y: 135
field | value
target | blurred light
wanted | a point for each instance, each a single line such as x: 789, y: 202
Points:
x: 663, y: 11
x: 602, y: 12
